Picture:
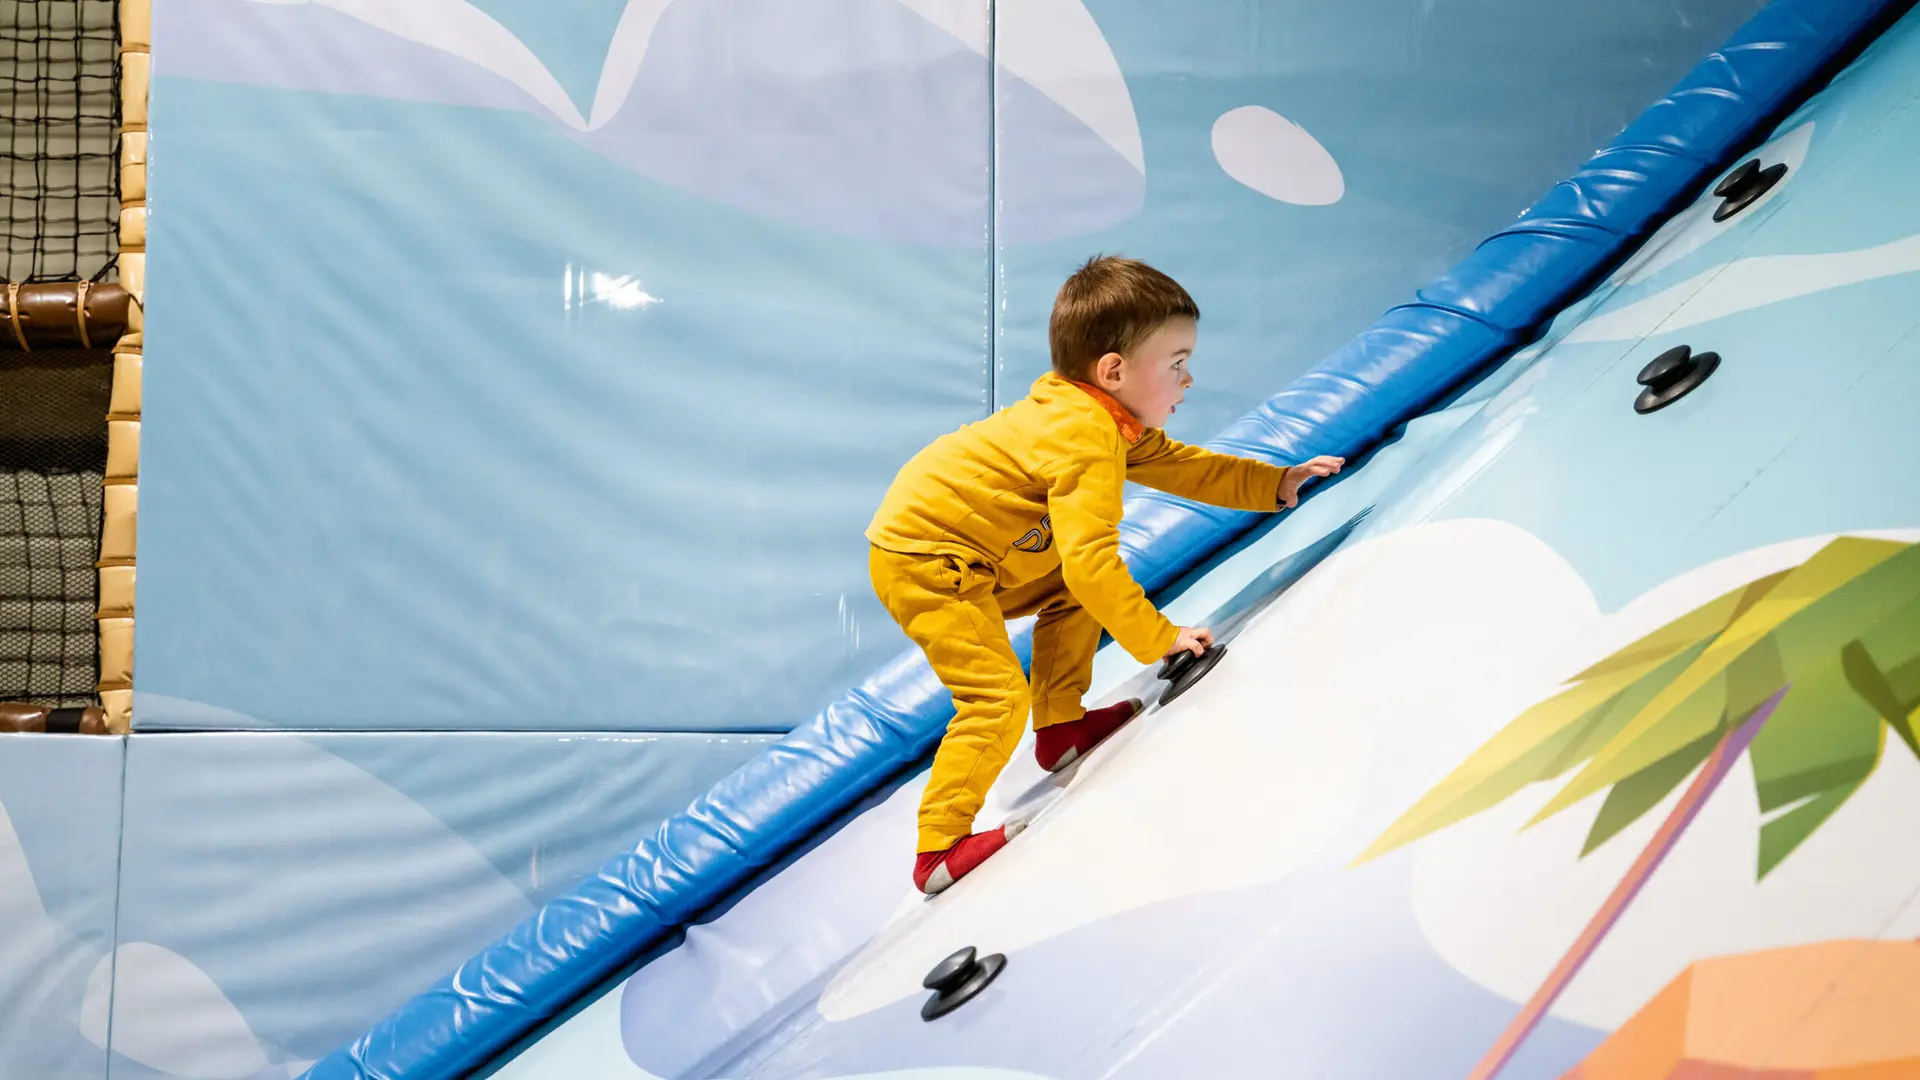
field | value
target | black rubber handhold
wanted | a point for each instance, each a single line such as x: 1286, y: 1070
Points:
x: 1745, y: 184
x: 957, y: 979
x: 1671, y: 376
x: 1183, y: 669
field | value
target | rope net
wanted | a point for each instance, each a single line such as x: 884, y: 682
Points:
x: 59, y: 180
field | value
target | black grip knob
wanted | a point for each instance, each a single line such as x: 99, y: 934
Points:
x: 1673, y: 375
x: 957, y: 980
x: 1744, y: 185
x: 1738, y: 178
x: 948, y: 974
x: 1183, y: 669
x: 1174, y: 666
x: 1668, y: 368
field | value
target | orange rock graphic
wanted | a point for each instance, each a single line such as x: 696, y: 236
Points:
x: 1836, y: 1010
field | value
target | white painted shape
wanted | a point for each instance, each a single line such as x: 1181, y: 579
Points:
x: 587, y: 1046
x: 627, y: 50
x: 1694, y: 228
x: 459, y: 28
x: 1502, y: 905
x: 169, y: 1016
x: 1746, y: 284
x: 1276, y: 157
x: 1056, y: 47
x: 96, y: 1003
x: 1259, y: 768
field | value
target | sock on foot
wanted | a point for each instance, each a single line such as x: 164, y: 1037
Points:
x: 933, y: 871
x: 1061, y: 745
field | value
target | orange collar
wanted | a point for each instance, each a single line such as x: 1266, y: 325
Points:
x: 1130, y: 427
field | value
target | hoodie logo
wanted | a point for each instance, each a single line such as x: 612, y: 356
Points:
x: 1037, y: 540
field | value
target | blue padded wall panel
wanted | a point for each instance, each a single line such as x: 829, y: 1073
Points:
x: 284, y: 891
x: 59, y: 852
x: 537, y: 368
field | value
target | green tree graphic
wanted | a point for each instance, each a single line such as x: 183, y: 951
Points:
x: 1842, y: 629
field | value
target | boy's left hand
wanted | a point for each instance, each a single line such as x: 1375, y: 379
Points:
x: 1301, y: 473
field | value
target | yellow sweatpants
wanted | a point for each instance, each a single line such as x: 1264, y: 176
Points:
x: 958, y: 616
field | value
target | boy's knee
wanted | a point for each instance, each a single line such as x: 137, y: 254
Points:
x: 1019, y: 706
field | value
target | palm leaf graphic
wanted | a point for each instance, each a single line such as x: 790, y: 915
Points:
x: 1843, y: 628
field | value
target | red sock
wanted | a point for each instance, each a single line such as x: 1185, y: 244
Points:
x: 935, y: 870
x: 1061, y: 745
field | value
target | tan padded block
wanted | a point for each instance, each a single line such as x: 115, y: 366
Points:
x: 123, y: 449
x: 118, y: 703
x: 116, y: 652
x: 136, y: 24
x: 133, y: 278
x: 136, y: 70
x: 121, y: 527
x: 125, y: 402
x: 133, y: 167
x: 116, y: 592
x: 133, y: 227
x: 136, y: 316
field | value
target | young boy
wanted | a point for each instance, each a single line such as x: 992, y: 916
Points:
x: 1019, y: 514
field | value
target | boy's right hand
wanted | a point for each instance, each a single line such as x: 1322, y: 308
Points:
x: 1193, y: 639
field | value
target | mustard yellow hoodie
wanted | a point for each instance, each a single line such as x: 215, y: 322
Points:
x: 1039, y: 485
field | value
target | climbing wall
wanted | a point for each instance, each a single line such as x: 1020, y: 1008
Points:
x: 1579, y: 715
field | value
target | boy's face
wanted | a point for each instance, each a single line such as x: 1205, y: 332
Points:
x: 1154, y: 379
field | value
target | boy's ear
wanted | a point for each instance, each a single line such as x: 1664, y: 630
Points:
x: 1107, y: 370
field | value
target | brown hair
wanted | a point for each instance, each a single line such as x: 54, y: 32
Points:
x: 1111, y: 304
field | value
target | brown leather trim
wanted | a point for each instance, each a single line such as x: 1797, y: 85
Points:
x: 52, y: 314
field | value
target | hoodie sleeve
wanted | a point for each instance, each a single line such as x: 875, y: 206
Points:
x: 1203, y: 475
x: 1084, y: 495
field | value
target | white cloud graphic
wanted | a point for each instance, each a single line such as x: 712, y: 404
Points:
x: 891, y: 135
x: 1055, y: 45
x: 459, y: 28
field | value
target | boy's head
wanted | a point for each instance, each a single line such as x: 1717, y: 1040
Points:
x: 1128, y: 329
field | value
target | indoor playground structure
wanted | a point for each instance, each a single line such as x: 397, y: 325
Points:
x: 490, y: 396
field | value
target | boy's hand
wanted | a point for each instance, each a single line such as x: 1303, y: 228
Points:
x: 1303, y: 472
x: 1193, y: 639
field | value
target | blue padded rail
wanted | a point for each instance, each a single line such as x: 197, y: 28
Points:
x: 1511, y: 285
